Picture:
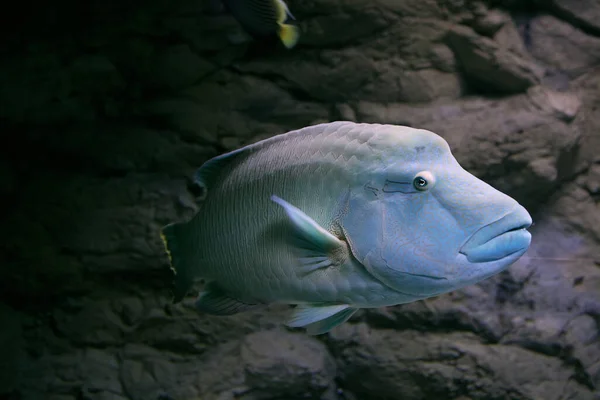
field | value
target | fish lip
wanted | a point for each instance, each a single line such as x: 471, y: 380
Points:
x: 516, y: 221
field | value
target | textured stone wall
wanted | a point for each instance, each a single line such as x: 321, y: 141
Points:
x: 106, y: 109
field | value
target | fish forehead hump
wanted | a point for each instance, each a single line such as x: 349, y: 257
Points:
x: 362, y: 143
x: 408, y: 143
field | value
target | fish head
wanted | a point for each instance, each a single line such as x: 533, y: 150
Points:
x: 423, y: 225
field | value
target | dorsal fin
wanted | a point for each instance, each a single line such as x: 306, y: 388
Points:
x: 209, y: 171
x: 206, y: 175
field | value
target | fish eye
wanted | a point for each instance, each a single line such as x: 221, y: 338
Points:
x: 423, y: 181
x: 420, y: 183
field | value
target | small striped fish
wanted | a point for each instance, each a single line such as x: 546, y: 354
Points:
x: 264, y: 18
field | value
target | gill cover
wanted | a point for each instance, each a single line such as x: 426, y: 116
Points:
x: 395, y: 227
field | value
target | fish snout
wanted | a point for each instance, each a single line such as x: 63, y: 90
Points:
x: 501, y: 238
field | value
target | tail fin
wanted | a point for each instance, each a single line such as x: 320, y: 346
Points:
x: 175, y: 238
x: 289, y: 35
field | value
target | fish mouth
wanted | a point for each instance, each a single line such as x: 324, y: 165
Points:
x: 500, y: 239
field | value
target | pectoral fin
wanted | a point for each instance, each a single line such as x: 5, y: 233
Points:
x: 324, y: 326
x: 317, y: 244
x: 214, y: 300
x: 317, y: 318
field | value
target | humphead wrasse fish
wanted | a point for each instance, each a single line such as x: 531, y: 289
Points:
x: 341, y: 216
x: 264, y: 18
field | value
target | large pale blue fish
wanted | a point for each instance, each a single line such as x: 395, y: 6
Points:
x: 341, y: 216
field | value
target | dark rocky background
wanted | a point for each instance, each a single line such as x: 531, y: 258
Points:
x: 107, y: 107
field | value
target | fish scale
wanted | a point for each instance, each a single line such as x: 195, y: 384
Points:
x: 275, y: 179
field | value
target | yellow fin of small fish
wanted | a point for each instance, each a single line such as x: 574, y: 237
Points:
x: 283, y: 11
x: 289, y: 35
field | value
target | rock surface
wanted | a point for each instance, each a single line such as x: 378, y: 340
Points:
x: 110, y: 106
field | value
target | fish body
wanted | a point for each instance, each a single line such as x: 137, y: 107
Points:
x: 341, y: 216
x: 264, y: 18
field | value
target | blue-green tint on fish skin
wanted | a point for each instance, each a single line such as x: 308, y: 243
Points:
x: 341, y: 216
x: 264, y: 18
